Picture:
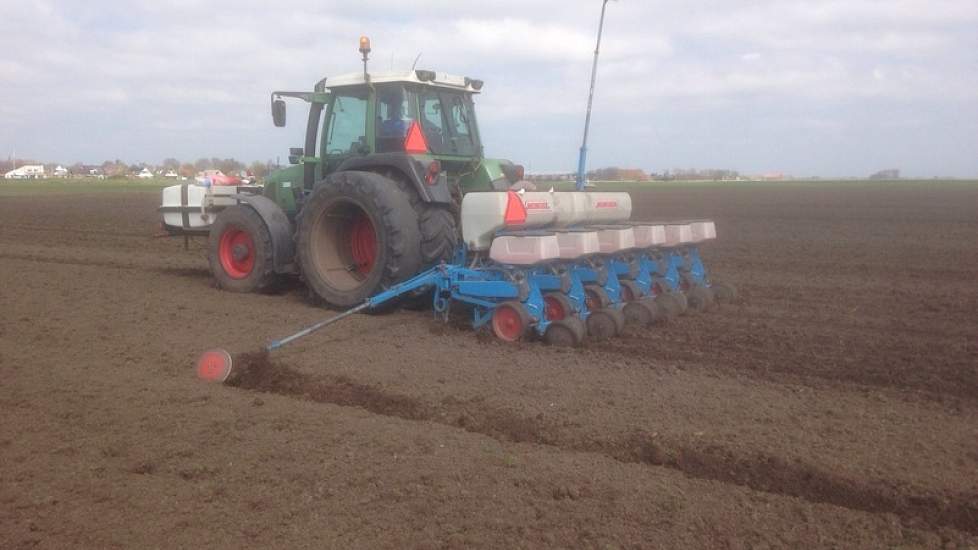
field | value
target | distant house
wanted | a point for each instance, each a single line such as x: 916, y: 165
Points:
x: 60, y: 172
x: 144, y: 174
x: 28, y: 171
x: 170, y: 174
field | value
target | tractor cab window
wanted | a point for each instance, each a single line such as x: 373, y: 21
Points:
x: 396, y: 111
x: 448, y: 122
x: 432, y: 123
x: 347, y: 124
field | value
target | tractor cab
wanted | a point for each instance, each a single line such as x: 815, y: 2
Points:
x: 419, y: 113
x: 419, y: 126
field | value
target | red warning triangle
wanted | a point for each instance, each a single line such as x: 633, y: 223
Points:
x: 515, y: 211
x: 415, y: 142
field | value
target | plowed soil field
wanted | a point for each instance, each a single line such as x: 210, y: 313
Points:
x: 835, y: 404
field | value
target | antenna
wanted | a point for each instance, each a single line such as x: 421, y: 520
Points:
x: 415, y: 64
x: 582, y: 160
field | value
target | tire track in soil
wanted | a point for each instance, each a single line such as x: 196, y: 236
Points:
x: 938, y: 390
x: 33, y: 228
x: 758, y: 471
x: 68, y: 261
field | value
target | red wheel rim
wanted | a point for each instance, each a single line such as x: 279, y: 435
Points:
x: 626, y: 294
x: 363, y: 244
x: 507, y: 323
x: 591, y: 300
x: 236, y: 251
x: 553, y: 308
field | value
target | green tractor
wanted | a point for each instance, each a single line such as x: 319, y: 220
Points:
x: 372, y: 197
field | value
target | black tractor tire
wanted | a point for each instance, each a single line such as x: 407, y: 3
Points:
x: 239, y: 251
x: 438, y: 223
x: 723, y: 292
x: 336, y: 257
x: 700, y: 299
x: 439, y: 233
x: 568, y: 332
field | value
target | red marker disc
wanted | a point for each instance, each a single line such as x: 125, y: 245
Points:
x: 214, y: 365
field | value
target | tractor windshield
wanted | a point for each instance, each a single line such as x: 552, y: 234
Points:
x: 448, y: 121
x: 396, y: 111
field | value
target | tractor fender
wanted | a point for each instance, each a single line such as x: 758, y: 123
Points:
x: 279, y: 227
x: 412, y: 168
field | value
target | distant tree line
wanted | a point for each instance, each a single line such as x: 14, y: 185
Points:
x: 118, y: 168
x: 614, y: 173
x: 889, y: 174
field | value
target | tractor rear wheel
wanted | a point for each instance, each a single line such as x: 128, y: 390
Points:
x: 239, y: 251
x: 357, y: 235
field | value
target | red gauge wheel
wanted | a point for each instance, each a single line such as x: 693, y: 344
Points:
x: 595, y: 298
x: 557, y: 306
x: 510, y: 321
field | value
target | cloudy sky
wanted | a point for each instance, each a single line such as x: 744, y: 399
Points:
x: 806, y: 87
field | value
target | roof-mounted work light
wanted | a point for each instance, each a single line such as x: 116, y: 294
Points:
x: 365, y: 50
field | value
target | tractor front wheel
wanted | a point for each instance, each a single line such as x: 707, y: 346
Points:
x: 239, y: 250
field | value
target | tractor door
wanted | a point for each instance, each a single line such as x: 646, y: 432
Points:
x: 345, y: 132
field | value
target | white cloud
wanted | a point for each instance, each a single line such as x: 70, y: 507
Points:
x: 206, y: 68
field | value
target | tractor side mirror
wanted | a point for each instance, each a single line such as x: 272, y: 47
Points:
x: 278, y: 112
x: 295, y: 154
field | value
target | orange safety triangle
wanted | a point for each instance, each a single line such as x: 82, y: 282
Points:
x: 515, y: 211
x: 415, y: 142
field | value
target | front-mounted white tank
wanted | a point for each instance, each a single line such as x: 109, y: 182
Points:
x: 192, y: 207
